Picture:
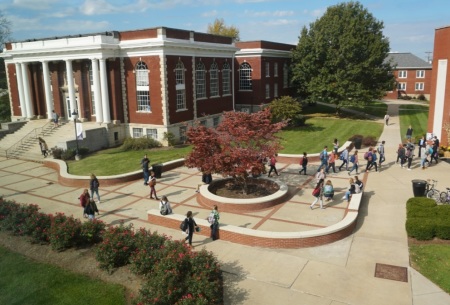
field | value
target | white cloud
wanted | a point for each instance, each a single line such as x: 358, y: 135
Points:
x: 212, y: 13
x: 97, y: 7
x: 315, y: 13
x: 35, y: 5
x: 278, y: 22
x: 268, y: 13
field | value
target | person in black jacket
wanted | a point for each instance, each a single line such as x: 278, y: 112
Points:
x: 191, y: 227
x: 94, y: 184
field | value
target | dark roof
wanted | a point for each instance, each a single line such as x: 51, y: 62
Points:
x: 407, y: 60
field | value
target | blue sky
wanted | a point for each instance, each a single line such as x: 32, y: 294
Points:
x: 409, y: 24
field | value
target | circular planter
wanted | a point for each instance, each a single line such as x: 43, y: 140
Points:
x: 208, y: 199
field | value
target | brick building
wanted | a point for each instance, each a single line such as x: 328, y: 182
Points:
x: 412, y: 75
x: 439, y: 113
x: 143, y: 82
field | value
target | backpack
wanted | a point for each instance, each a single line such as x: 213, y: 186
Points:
x: 211, y: 218
x: 184, y: 225
x: 374, y: 157
x: 316, y: 192
x: 352, y: 158
x: 304, y: 161
x: 321, y: 156
x: 341, y: 157
x: 164, y: 209
x: 366, y: 155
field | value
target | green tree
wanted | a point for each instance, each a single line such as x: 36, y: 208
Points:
x: 286, y: 108
x: 218, y: 27
x: 340, y: 59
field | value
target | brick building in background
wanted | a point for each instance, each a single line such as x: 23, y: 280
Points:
x: 143, y: 82
x: 439, y: 114
x: 412, y: 75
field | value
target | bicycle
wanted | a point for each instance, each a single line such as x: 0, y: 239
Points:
x: 445, y: 196
x: 431, y: 192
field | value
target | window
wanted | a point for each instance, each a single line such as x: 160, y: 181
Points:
x: 419, y: 86
x: 285, y: 75
x: 401, y: 86
x: 402, y: 74
x: 275, y: 69
x: 183, y: 134
x: 200, y: 81
x: 180, y: 87
x: 216, y: 121
x: 152, y: 133
x: 275, y: 90
x: 137, y: 133
x: 267, y: 91
x: 142, y: 87
x: 226, y: 79
x: 214, y: 80
x: 203, y: 122
x: 420, y: 74
x: 245, y: 77
x: 91, y: 83
x: 267, y: 69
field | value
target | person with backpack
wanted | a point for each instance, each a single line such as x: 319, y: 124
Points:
x: 435, y: 149
x: 323, y: 156
x: 409, y: 153
x: 344, y: 157
x: 94, y: 185
x: 328, y: 191
x: 90, y: 210
x: 303, y: 163
x: 190, y: 226
x: 354, y: 160
x: 164, y: 206
x: 423, y: 155
x: 368, y: 158
x: 372, y: 162
x: 84, y: 199
x: 272, y: 163
x: 318, y: 194
x: 402, y: 155
x: 381, y: 153
x: 213, y: 220
x: 331, y: 161
x: 151, y: 184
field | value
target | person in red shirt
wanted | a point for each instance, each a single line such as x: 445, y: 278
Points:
x: 272, y: 163
x: 331, y: 161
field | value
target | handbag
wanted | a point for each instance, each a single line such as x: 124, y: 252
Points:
x: 316, y: 192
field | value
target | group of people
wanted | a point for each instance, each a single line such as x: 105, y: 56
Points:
x: 87, y: 200
x: 427, y: 152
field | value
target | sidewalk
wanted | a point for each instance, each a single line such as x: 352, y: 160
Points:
x: 337, y: 273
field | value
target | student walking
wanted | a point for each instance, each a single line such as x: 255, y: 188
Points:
x: 152, y: 184
x: 145, y: 171
x: 318, y: 194
x: 55, y: 119
x: 323, y: 156
x: 303, y: 163
x: 354, y: 160
x: 344, y: 157
x: 272, y: 163
x: 336, y: 146
x: 191, y: 225
x: 331, y: 161
x: 386, y: 119
x: 381, y: 152
x: 43, y: 146
x: 94, y: 185
x: 213, y: 219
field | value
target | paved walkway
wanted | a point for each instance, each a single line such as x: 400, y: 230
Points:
x: 337, y: 273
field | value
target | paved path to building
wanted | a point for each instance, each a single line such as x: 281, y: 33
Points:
x: 337, y: 273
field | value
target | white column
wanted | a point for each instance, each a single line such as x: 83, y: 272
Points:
x: 97, y: 93
x: 26, y: 90
x: 23, y: 106
x: 105, y: 96
x: 48, y: 91
x: 71, y: 86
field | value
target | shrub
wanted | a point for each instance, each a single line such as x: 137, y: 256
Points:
x: 369, y: 141
x: 15, y: 219
x: 443, y: 229
x: 421, y: 207
x: 91, y: 232
x: 421, y: 97
x: 64, y: 232
x: 68, y: 154
x: 139, y: 143
x: 285, y: 108
x: 298, y: 120
x: 6, y: 208
x: 356, y: 137
x: 149, y: 248
x: 420, y: 228
x: 170, y: 138
x: 57, y: 152
x: 116, y: 248
x: 37, y: 226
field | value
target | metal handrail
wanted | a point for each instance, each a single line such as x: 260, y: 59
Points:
x: 31, y: 135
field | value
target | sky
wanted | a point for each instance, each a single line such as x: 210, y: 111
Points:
x: 409, y: 24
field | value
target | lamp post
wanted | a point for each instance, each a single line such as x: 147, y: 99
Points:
x: 75, y: 117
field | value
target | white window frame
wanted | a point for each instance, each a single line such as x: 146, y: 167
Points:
x: 152, y: 133
x: 214, y: 80
x: 180, y: 86
x: 401, y: 86
x: 267, y: 91
x: 245, y: 77
x: 267, y: 68
x: 402, y: 74
x: 138, y: 132
x: 275, y: 69
x: 200, y: 80
x: 275, y: 90
x: 142, y: 87
x: 420, y: 73
x: 419, y: 86
x: 226, y: 79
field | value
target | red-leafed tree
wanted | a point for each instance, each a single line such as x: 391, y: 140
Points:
x: 236, y: 146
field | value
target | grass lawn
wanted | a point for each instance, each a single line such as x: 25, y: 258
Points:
x: 375, y: 108
x: 322, y: 131
x: 416, y: 116
x: 115, y: 161
x: 433, y: 261
x: 23, y: 281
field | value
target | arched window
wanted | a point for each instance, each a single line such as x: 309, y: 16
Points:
x: 142, y: 87
x: 180, y: 86
x: 200, y: 81
x: 245, y: 77
x: 214, y: 80
x: 226, y: 79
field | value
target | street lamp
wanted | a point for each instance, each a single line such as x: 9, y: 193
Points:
x: 75, y: 117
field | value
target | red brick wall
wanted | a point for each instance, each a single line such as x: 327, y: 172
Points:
x: 441, y: 51
x: 177, y: 34
x: 153, y: 64
x: 138, y: 34
x: 257, y: 95
x: 261, y: 44
x: 202, y: 37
